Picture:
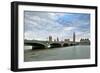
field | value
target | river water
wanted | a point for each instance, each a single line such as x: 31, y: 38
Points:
x: 64, y: 53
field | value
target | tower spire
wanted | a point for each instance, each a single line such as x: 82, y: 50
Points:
x: 74, y: 37
x: 57, y: 39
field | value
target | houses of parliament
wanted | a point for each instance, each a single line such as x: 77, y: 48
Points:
x: 83, y: 41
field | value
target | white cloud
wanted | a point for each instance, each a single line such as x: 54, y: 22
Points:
x: 69, y: 28
x: 40, y: 26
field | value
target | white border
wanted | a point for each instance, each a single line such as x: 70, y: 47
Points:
x: 22, y: 64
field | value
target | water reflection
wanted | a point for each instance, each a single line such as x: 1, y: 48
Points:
x: 65, y: 53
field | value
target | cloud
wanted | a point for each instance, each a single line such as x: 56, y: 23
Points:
x: 69, y: 28
x: 40, y: 25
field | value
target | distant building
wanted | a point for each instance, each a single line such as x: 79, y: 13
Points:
x: 66, y: 40
x: 61, y: 41
x: 85, y: 42
x: 50, y: 38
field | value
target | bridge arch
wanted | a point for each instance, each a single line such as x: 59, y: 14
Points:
x: 71, y: 44
x: 65, y: 44
x: 55, y: 45
x: 36, y: 45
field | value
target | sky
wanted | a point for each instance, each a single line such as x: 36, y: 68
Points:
x: 41, y: 25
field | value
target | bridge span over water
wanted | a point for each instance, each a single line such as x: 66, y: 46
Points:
x: 46, y: 44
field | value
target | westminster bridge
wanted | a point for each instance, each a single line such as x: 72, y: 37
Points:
x: 46, y: 44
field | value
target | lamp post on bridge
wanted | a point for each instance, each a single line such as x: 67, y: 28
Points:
x: 74, y: 36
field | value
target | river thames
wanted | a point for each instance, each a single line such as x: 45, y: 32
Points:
x: 63, y: 53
